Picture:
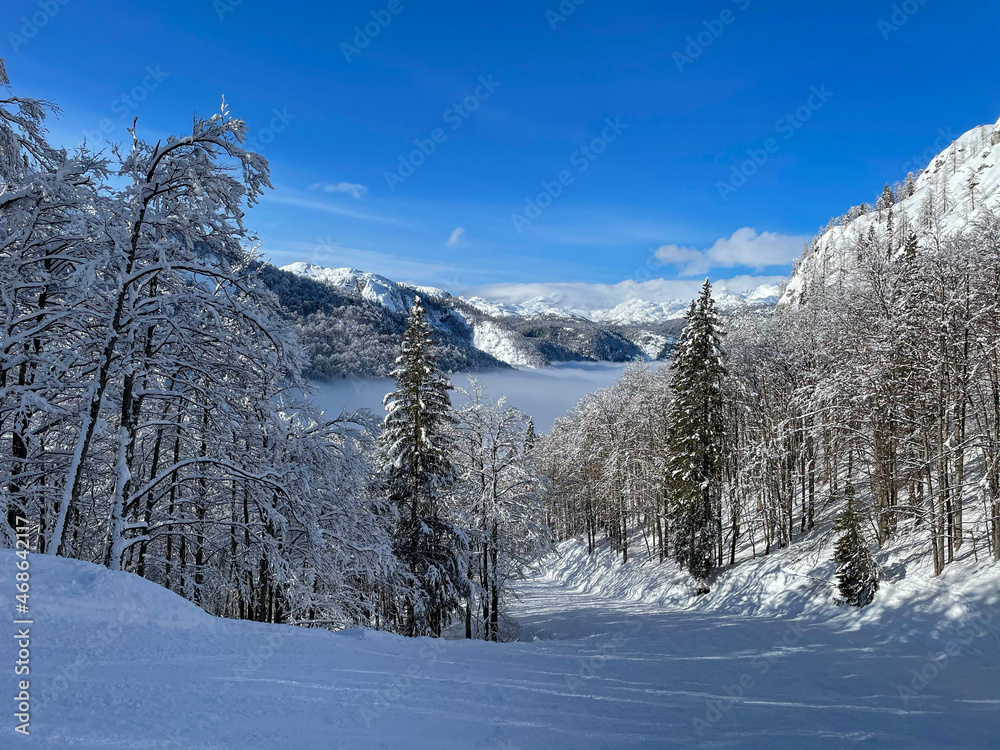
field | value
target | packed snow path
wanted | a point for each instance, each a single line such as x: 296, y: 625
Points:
x: 120, y: 663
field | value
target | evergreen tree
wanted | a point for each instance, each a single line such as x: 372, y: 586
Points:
x: 857, y: 574
x: 697, y: 429
x: 887, y: 200
x: 416, y: 456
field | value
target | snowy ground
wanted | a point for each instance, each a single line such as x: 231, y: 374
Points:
x: 118, y: 662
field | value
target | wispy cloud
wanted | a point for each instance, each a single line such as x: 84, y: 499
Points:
x: 289, y: 198
x: 744, y: 248
x: 456, y: 237
x: 350, y: 188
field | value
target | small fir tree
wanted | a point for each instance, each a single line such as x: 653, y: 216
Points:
x: 857, y: 573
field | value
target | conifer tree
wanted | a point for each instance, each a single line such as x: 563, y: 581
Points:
x: 416, y: 455
x: 530, y: 438
x: 697, y: 429
x: 857, y: 574
x: 887, y: 199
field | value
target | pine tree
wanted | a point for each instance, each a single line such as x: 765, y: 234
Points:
x: 416, y: 456
x: 697, y: 429
x: 857, y: 574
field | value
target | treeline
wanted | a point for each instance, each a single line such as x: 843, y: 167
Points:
x: 876, y: 397
x: 152, y: 416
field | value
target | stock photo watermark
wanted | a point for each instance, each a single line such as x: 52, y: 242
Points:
x: 718, y: 708
x: 33, y: 24
x: 562, y: 12
x: 714, y: 28
x: 402, y: 683
x: 960, y: 638
x: 900, y: 16
x: 786, y: 127
x: 280, y: 119
x: 589, y: 667
x: 126, y: 103
x: 224, y: 7
x: 455, y: 116
x: 363, y: 35
x: 920, y: 161
x: 22, y: 623
x: 552, y: 189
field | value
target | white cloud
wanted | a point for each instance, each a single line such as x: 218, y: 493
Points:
x: 744, y: 248
x: 351, y: 188
x: 456, y: 237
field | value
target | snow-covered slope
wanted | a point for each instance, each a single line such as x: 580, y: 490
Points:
x: 609, y: 658
x: 963, y: 181
x: 507, y: 346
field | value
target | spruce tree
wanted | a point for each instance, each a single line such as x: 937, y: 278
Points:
x: 697, y: 438
x: 857, y: 573
x: 416, y: 456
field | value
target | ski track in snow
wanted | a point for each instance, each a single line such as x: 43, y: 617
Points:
x: 153, y: 671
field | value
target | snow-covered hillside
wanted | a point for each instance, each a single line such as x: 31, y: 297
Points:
x: 962, y: 181
x: 507, y: 346
x: 611, y: 656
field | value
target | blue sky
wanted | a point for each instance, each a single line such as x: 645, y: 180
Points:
x: 632, y: 114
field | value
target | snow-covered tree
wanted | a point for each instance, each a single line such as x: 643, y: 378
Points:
x: 697, y: 438
x: 500, y: 500
x: 857, y: 573
x: 419, y: 471
x: 148, y: 416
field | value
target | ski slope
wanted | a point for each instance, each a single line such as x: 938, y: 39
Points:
x: 118, y: 662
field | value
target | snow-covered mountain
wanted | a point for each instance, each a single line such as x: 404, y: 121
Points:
x: 392, y: 295
x: 961, y: 182
x: 369, y: 286
x: 351, y: 322
x: 632, y: 312
x: 534, y: 333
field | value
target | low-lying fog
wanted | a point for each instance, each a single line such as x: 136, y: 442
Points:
x: 545, y: 393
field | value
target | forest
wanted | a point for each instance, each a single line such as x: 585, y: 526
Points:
x: 153, y: 418
x: 872, y: 395
x: 153, y: 415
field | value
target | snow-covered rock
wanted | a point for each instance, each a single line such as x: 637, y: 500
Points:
x: 505, y: 345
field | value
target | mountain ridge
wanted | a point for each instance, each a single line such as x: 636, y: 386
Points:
x: 963, y: 181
